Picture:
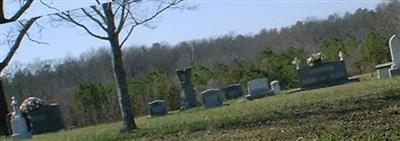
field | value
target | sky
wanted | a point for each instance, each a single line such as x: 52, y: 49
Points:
x: 211, y: 18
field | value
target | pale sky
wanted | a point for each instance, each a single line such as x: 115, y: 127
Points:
x: 212, y: 18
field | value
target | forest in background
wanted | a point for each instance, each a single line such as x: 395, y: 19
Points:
x: 84, y: 87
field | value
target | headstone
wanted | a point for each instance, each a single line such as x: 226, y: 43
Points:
x: 258, y: 88
x: 233, y: 91
x: 394, y: 45
x: 46, y: 119
x: 158, y: 108
x: 276, y: 88
x: 211, y: 98
x: 323, y: 74
x: 383, y: 70
x: 188, y: 96
x: 18, y: 124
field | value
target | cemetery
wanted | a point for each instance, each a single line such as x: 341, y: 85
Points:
x: 188, y: 94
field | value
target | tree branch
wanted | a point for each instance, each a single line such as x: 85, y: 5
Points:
x: 17, y: 43
x: 94, y: 19
x: 98, y: 13
x: 67, y: 17
x: 15, y: 17
x: 137, y: 23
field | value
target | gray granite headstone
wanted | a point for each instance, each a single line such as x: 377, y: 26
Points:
x: 233, y: 91
x: 258, y: 88
x: 188, y: 96
x: 158, y: 108
x: 211, y: 98
x: 275, y: 86
x: 394, y: 45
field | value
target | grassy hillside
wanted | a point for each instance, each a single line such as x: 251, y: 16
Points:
x: 368, y: 110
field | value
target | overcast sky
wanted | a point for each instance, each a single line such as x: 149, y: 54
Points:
x: 212, y: 18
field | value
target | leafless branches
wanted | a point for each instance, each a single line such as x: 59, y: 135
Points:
x: 121, y: 12
x: 17, y: 42
x: 3, y: 19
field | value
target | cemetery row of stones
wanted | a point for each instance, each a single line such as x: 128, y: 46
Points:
x: 318, y: 74
x: 160, y: 83
x: 211, y: 98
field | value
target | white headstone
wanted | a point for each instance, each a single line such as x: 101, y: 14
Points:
x: 275, y: 86
x: 258, y: 88
x: 18, y: 124
x: 394, y: 45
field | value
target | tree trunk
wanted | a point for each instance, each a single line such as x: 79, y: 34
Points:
x: 2, y: 17
x: 120, y: 79
x: 119, y: 71
x: 3, y: 111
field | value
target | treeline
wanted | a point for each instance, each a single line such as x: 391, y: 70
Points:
x: 85, y: 90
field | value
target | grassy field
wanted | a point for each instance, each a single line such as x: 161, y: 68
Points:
x: 367, y: 110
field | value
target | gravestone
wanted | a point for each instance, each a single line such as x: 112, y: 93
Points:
x: 258, y: 88
x: 383, y: 70
x: 233, y: 91
x: 18, y: 124
x: 188, y: 96
x: 394, y: 45
x: 275, y: 86
x: 323, y: 74
x: 158, y: 108
x: 211, y: 98
x: 47, y: 118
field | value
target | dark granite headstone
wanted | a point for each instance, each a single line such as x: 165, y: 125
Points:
x: 188, y: 96
x: 158, y: 108
x: 233, y: 91
x: 211, y: 98
x: 258, y: 88
x: 47, y: 118
x: 322, y: 75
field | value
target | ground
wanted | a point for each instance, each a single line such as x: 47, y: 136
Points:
x: 367, y: 110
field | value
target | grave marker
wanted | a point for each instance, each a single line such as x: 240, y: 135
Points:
x: 275, y: 86
x: 158, y: 108
x: 188, y: 96
x: 233, y: 91
x: 383, y: 70
x: 258, y: 88
x: 47, y: 118
x: 211, y: 98
x: 394, y: 45
x: 18, y: 124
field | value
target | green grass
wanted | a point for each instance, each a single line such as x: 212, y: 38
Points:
x: 368, y: 110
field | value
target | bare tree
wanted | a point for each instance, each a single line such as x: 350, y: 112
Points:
x: 14, y: 44
x: 117, y: 21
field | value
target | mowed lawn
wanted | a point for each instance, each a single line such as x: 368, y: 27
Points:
x: 367, y: 110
